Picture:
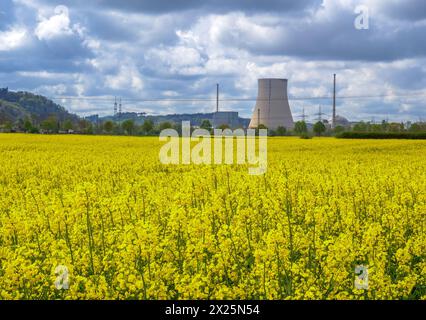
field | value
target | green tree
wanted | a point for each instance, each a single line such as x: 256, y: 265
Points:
x: 205, y: 124
x: 108, y: 126
x: 50, y: 124
x: 262, y: 126
x: 360, y: 127
x: 223, y: 126
x: 300, y: 127
x: 8, y: 126
x: 396, y: 127
x: 83, y: 124
x: 271, y: 133
x: 165, y: 125
x: 28, y: 125
x: 147, y: 126
x: 281, y: 131
x: 319, y: 128
x: 339, y: 129
x: 128, y: 126
x: 19, y: 124
x: 68, y: 125
x: 89, y: 129
x: 375, y: 127
x: 178, y: 128
x: 385, y: 125
x: 418, y: 127
x: 34, y: 130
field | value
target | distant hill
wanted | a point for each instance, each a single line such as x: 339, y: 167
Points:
x: 195, y: 118
x: 19, y: 107
x: 16, y: 106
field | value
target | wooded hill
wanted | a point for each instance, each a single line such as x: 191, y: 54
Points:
x: 24, y: 106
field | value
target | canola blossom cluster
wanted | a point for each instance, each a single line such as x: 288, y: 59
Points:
x: 124, y: 226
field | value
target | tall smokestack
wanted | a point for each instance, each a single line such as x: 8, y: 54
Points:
x: 272, y: 104
x: 333, y: 122
x: 217, y: 97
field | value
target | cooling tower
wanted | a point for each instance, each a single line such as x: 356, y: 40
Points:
x: 272, y: 105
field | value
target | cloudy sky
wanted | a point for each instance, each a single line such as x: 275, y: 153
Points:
x: 140, y: 49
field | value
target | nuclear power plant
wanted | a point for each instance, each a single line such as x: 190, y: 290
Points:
x: 272, y: 108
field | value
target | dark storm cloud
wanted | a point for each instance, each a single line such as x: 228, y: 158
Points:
x: 64, y: 54
x: 207, y: 7
x: 141, y: 29
x: 351, y: 44
x: 108, y: 27
x: 411, y: 10
x: 175, y: 48
x: 335, y: 39
x: 66, y: 48
x: 213, y: 6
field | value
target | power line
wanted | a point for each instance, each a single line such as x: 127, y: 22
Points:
x: 109, y: 99
x: 303, y: 115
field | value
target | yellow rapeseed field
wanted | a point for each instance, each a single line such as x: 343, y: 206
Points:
x: 125, y: 226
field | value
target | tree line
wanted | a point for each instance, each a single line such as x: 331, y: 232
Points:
x: 129, y: 127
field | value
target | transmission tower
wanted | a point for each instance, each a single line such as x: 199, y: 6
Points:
x: 319, y: 114
x: 303, y: 116
x: 115, y: 106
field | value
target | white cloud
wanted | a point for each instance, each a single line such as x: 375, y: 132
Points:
x: 175, y: 56
x: 55, y: 26
x: 128, y: 77
x: 12, y: 38
x: 42, y: 74
x: 176, y: 60
x: 170, y: 93
x: 58, y: 89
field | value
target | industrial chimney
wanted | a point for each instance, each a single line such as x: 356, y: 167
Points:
x: 272, y: 105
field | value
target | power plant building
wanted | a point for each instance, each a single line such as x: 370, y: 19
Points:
x: 229, y: 118
x: 272, y: 108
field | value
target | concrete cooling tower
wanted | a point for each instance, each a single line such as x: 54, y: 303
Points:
x: 272, y: 105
